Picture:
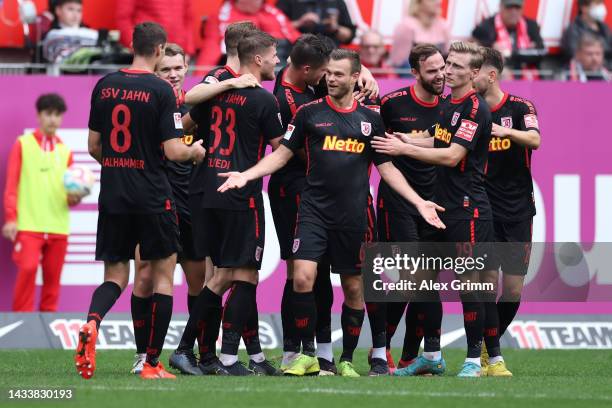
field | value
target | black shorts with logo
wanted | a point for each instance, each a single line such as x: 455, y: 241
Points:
x: 284, y: 202
x: 514, y: 256
x: 469, y: 238
x: 342, y: 249
x: 235, y: 238
x: 118, y: 235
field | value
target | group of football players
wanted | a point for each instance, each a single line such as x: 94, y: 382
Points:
x: 182, y: 181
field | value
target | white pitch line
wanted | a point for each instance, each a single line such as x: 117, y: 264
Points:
x: 373, y: 393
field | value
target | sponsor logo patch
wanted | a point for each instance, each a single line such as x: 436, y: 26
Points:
x: 211, y: 80
x: 531, y: 121
x: 467, y: 130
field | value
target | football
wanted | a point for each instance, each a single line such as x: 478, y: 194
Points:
x: 79, y: 180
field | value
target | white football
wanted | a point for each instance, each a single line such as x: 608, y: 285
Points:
x: 79, y: 180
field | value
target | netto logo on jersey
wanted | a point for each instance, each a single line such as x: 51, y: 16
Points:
x: 349, y: 145
x: 498, y: 144
x: 442, y: 134
x: 187, y: 139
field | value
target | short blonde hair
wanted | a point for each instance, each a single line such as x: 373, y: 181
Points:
x: 464, y: 47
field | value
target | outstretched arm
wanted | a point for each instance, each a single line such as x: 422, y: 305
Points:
x: 265, y: 167
x: 529, y: 138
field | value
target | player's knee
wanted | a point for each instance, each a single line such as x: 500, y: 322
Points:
x: 512, y: 294
x: 303, y: 282
x: 353, y: 293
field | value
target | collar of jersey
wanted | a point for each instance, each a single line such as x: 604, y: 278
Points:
x: 502, y: 103
x: 421, y: 102
x: 463, y: 98
x: 341, y: 110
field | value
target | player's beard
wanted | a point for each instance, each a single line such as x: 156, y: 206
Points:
x: 429, y: 87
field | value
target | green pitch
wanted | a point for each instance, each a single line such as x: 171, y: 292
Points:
x: 542, y: 378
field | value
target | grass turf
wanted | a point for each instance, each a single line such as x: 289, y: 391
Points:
x: 542, y: 378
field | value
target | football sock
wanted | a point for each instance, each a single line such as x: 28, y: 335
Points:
x: 161, y: 313
x: 377, y: 313
x: 506, y: 312
x: 190, y: 302
x: 250, y: 334
x: 324, y: 350
x: 414, y: 332
x: 141, y: 319
x: 304, y: 317
x: 241, y: 298
x: 395, y: 311
x: 491, y: 324
x: 324, y: 299
x: 473, y: 320
x: 291, y: 340
x: 352, y: 320
x: 432, y: 320
x: 207, y: 322
x: 104, y: 297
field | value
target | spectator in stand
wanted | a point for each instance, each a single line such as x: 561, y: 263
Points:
x: 36, y: 207
x: 264, y: 16
x: 373, y: 55
x: 423, y: 24
x: 174, y: 15
x: 588, y: 63
x: 515, y: 36
x: 67, y: 34
x: 590, y: 20
x: 327, y: 17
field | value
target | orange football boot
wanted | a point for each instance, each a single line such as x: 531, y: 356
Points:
x: 85, y: 356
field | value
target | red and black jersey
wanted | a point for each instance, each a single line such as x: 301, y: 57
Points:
x: 242, y: 122
x: 200, y: 114
x: 179, y: 174
x: 339, y: 154
x: 402, y: 111
x: 508, y: 178
x: 461, y: 189
x: 135, y: 112
x: 290, y: 98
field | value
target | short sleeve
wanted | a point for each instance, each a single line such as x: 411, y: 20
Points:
x: 270, y: 121
x: 296, y: 131
x: 95, y: 118
x: 378, y: 129
x: 471, y: 128
x: 200, y: 113
x: 170, y: 120
x: 529, y: 117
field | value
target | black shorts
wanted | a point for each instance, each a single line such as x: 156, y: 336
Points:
x: 235, y: 238
x: 198, y: 227
x: 372, y: 233
x: 188, y: 252
x: 470, y: 238
x: 513, y: 257
x: 404, y: 227
x: 284, y: 201
x: 118, y: 235
x: 342, y: 249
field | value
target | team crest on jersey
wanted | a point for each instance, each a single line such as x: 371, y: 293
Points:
x: 178, y: 123
x: 507, y: 122
x: 455, y: 118
x: 296, y: 245
x: 366, y: 128
x: 258, y: 252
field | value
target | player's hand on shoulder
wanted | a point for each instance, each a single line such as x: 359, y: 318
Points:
x: 389, y: 144
x: 429, y: 211
x: 197, y: 151
x: 245, y: 81
x: 234, y: 180
x: 367, y: 85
